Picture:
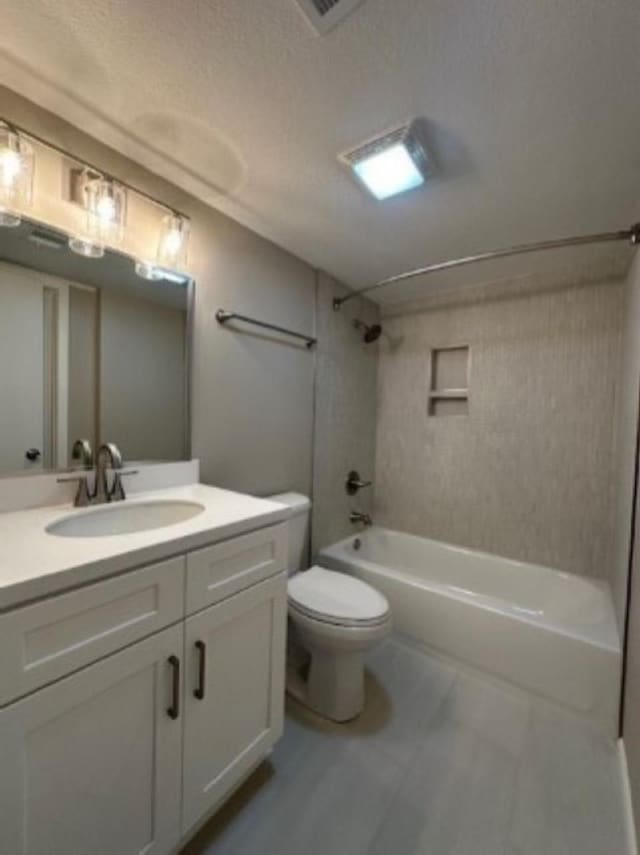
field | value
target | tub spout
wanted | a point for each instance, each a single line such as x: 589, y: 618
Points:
x: 359, y: 517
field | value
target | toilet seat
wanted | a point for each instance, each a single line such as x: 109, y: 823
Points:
x: 336, y: 598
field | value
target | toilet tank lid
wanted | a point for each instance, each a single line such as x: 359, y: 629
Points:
x: 296, y: 502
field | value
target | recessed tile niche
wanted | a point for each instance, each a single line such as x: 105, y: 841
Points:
x: 449, y: 383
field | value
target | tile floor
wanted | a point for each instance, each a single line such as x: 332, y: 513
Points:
x: 442, y: 762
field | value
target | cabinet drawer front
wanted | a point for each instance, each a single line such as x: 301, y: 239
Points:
x: 216, y: 572
x: 49, y: 639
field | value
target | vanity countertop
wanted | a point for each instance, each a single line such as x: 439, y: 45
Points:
x: 35, y: 563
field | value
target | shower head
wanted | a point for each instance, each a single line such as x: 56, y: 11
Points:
x: 371, y: 333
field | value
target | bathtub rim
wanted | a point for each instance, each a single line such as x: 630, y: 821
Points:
x: 607, y: 639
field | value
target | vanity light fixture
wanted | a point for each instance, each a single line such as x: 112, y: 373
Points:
x: 104, y: 201
x: 153, y: 273
x: 172, y: 276
x: 393, y: 163
x: 103, y: 206
x: 16, y: 175
x: 148, y: 270
x: 174, y: 239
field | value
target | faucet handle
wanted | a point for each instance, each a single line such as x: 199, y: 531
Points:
x: 117, y: 493
x: 354, y: 482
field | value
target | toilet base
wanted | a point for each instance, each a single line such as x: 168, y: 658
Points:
x: 325, y: 664
x: 333, y: 686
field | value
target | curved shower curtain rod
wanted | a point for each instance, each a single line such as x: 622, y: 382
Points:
x: 631, y: 234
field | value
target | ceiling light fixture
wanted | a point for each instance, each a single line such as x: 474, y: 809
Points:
x: 174, y: 240
x: 393, y: 163
x: 104, y: 201
x: 16, y: 175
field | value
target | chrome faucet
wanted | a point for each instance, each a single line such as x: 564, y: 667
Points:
x: 359, y: 517
x: 108, y: 457
x: 82, y: 451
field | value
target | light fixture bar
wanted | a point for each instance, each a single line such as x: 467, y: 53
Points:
x: 632, y: 235
x: 103, y: 198
x: 92, y: 167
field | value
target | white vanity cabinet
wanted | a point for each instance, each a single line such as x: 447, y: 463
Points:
x: 235, y: 660
x: 91, y: 764
x: 162, y: 710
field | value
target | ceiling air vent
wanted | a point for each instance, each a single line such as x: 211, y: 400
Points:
x: 324, y: 15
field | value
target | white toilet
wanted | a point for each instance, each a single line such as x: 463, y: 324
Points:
x: 334, y: 619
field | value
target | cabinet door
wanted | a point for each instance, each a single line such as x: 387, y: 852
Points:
x: 234, y: 692
x: 91, y: 764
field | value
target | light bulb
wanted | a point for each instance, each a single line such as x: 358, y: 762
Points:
x: 173, y: 242
x: 105, y: 205
x: 172, y: 247
x: 10, y: 166
x: 16, y: 175
x: 106, y: 209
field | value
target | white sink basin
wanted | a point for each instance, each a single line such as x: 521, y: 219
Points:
x: 124, y: 518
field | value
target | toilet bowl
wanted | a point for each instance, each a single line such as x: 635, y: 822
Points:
x: 334, y: 619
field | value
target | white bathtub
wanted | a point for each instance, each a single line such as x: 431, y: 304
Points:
x: 549, y: 632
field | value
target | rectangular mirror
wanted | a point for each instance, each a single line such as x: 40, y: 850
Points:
x: 88, y: 349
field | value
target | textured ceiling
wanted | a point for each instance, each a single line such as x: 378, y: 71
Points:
x: 532, y: 111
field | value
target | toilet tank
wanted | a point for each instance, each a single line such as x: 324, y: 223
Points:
x: 298, y: 528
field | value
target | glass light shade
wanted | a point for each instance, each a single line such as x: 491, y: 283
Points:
x: 174, y: 241
x: 85, y: 247
x: 16, y: 175
x: 105, y: 206
x: 148, y: 270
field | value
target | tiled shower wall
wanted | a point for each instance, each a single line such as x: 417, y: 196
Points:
x: 345, y: 411
x: 527, y: 473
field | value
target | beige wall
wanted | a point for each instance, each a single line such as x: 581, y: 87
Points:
x: 252, y: 399
x: 345, y: 415
x: 527, y: 473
